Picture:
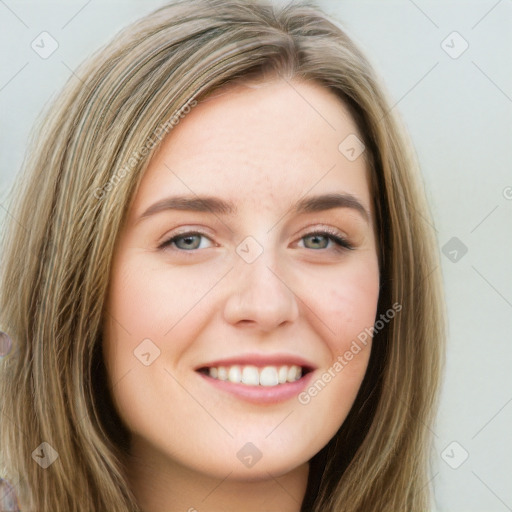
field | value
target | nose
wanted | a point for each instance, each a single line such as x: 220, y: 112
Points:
x: 260, y: 295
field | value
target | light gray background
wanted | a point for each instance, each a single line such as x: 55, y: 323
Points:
x: 459, y: 113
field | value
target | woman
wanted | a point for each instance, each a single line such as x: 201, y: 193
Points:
x: 254, y: 370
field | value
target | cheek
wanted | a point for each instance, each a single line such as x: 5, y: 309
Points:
x: 148, y: 314
x: 347, y: 304
x: 147, y: 302
x: 137, y: 316
x: 152, y: 310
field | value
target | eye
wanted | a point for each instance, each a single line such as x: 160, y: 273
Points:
x: 185, y: 241
x: 323, y: 237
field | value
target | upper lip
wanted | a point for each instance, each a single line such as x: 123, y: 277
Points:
x: 260, y: 360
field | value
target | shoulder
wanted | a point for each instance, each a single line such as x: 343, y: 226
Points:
x: 8, y: 500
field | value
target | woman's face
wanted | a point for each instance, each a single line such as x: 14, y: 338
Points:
x: 249, y: 291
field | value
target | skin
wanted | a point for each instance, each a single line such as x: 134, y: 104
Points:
x: 263, y: 147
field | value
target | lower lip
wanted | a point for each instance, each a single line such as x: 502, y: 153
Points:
x: 261, y: 394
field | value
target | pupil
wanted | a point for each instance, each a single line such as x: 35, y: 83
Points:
x: 189, y: 241
x: 315, y: 238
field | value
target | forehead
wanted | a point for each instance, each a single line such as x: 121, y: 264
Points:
x: 263, y: 145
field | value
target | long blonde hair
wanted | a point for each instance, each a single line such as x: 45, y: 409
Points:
x: 85, y: 163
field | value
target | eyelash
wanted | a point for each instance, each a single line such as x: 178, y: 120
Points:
x: 342, y: 243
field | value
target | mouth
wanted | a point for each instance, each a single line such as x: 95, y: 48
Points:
x: 258, y: 379
x: 252, y: 375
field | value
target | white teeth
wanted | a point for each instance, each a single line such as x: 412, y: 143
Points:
x: 282, y: 374
x: 250, y: 376
x: 268, y: 376
x: 253, y: 376
x: 294, y: 373
x: 235, y: 374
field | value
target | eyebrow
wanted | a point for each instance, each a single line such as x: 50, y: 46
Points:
x: 221, y: 207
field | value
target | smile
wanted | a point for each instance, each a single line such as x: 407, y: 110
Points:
x: 257, y: 378
x: 251, y: 375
